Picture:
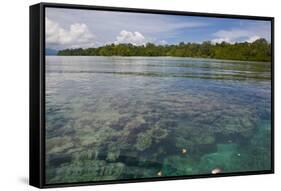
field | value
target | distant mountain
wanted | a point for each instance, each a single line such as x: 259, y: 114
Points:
x: 51, y: 52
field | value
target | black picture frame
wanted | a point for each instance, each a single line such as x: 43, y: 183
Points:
x: 37, y: 93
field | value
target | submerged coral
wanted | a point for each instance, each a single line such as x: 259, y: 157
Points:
x: 178, y: 165
x: 145, y: 139
x: 88, y: 170
x: 59, y: 144
x: 193, y: 138
x: 114, y: 127
x: 113, y: 152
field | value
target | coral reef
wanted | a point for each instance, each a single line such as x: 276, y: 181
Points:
x: 58, y: 144
x: 113, y: 152
x: 113, y: 127
x: 178, y: 165
x: 87, y: 170
x: 145, y: 139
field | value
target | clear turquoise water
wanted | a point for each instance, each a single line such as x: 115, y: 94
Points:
x: 113, y: 118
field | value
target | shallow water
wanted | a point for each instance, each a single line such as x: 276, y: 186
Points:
x: 112, y: 118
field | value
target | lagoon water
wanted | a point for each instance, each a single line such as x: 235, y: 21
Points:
x: 114, y: 118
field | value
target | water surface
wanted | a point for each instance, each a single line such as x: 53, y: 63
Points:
x: 112, y: 118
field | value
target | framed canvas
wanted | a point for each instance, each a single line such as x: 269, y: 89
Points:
x: 123, y: 95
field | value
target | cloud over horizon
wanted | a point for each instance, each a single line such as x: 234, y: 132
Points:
x: 242, y: 34
x: 74, y: 28
x: 78, y: 35
x: 135, y: 38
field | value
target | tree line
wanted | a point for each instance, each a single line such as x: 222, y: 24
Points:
x: 259, y: 50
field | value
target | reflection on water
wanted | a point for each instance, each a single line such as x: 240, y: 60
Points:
x: 112, y: 118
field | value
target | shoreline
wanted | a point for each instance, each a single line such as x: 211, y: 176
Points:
x: 171, y: 57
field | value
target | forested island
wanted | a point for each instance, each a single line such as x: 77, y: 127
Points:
x: 259, y: 50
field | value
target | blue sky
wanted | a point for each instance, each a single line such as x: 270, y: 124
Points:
x: 73, y: 28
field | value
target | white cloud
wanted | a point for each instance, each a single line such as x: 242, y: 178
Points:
x: 106, y: 24
x: 135, y: 38
x: 162, y: 42
x: 231, y: 36
x: 233, y: 33
x: 78, y: 35
x: 220, y: 40
x: 253, y: 38
x: 247, y: 34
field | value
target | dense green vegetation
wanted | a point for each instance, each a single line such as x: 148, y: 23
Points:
x: 259, y: 50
